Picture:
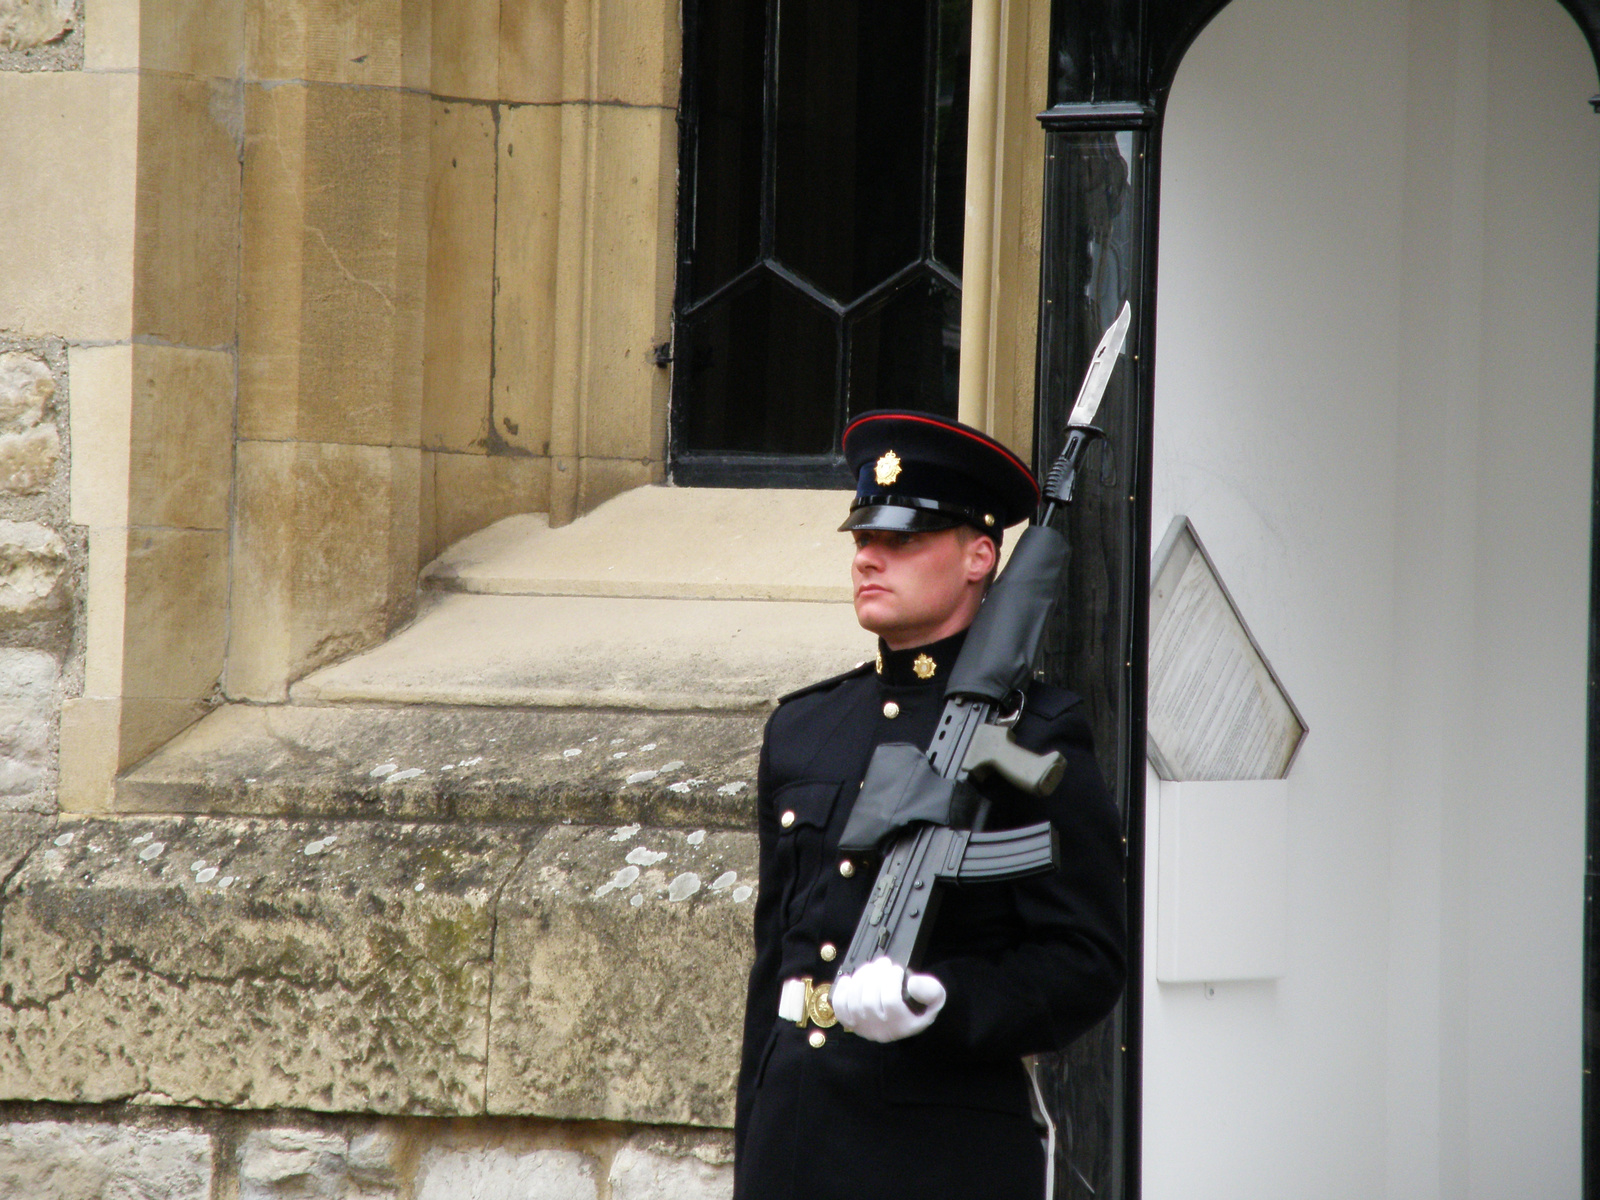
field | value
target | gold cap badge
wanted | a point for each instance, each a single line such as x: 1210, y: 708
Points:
x: 924, y: 666
x: 888, y: 468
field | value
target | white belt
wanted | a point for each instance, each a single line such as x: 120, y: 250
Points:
x: 801, y: 1000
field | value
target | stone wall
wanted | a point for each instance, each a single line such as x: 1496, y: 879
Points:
x: 144, y: 1154
x: 42, y: 564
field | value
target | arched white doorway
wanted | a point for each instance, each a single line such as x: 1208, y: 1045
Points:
x: 1374, y: 396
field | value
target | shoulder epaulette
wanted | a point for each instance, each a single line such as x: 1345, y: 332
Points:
x: 860, y: 668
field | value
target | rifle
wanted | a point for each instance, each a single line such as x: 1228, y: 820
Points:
x: 927, y: 798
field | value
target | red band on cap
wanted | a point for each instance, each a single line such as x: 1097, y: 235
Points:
x: 986, y: 442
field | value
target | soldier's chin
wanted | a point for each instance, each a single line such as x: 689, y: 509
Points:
x: 875, y: 613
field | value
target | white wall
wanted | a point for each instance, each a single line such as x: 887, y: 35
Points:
x: 1374, y: 389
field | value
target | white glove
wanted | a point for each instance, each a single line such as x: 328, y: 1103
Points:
x: 870, y: 1002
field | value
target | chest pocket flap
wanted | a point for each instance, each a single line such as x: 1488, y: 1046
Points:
x: 803, y: 809
x: 810, y: 801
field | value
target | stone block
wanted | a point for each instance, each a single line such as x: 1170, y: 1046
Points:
x: 334, y: 265
x: 176, y: 615
x: 254, y: 964
x: 90, y: 743
x: 529, y: 202
x: 657, y: 1167
x: 473, y: 491
x: 530, y: 64
x: 102, y: 418
x: 461, y: 278
x: 28, y: 713
x: 384, y: 44
x: 69, y: 146
x: 619, y: 989
x: 180, y: 452
x: 496, y: 1173
x: 111, y: 35
x: 33, y: 564
x: 466, y: 47
x: 26, y: 24
x: 185, y: 282
x: 299, y: 1164
x: 316, y: 576
x: 601, y: 479
x: 203, y: 39
x: 616, y: 51
x: 26, y: 390
x: 634, y: 198
x: 54, y: 1160
x: 639, y: 50
x: 28, y: 460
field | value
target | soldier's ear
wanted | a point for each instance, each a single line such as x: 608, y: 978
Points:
x: 981, y: 556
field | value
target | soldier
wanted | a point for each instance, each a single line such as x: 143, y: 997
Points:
x: 867, y: 1097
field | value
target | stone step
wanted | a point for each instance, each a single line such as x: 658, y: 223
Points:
x: 598, y: 652
x: 429, y: 763
x: 665, y: 542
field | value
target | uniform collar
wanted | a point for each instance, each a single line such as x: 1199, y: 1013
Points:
x: 919, y: 666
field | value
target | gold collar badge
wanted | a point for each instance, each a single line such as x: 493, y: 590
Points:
x: 888, y: 468
x: 924, y: 666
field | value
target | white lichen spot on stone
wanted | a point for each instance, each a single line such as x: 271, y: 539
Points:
x: 624, y: 832
x: 419, y: 887
x: 642, y: 857
x: 732, y: 789
x: 197, y: 864
x: 724, y: 881
x: 153, y: 850
x: 402, y: 776
x: 618, y: 741
x: 142, y: 838
x: 64, y: 840
x: 470, y: 762
x: 572, y: 753
x: 696, y: 838
x: 642, y: 776
x: 683, y: 886
x: 637, y: 900
x: 225, y: 881
x: 384, y: 769
x: 620, y: 754
x: 676, y: 764
x: 314, y: 848
x: 205, y: 875
x: 626, y: 877
x: 742, y: 893
x: 648, y: 746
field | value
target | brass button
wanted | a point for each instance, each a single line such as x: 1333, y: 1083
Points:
x: 891, y: 709
x: 847, y: 868
x: 829, y: 951
x: 787, y: 819
x: 818, y: 1039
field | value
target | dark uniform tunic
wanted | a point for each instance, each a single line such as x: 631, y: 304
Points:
x: 1028, y: 966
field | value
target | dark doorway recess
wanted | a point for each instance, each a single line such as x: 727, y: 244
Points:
x: 820, y: 223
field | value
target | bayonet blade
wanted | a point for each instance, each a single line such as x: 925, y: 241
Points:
x: 1100, y: 368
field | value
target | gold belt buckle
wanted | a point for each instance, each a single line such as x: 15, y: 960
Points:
x: 818, y: 1008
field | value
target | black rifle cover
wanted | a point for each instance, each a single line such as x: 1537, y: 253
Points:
x: 996, y: 660
x: 900, y: 788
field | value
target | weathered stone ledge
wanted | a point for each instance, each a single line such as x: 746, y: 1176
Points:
x: 446, y: 763
x: 576, y: 971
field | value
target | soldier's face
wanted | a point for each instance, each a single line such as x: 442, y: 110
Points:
x: 915, y: 588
